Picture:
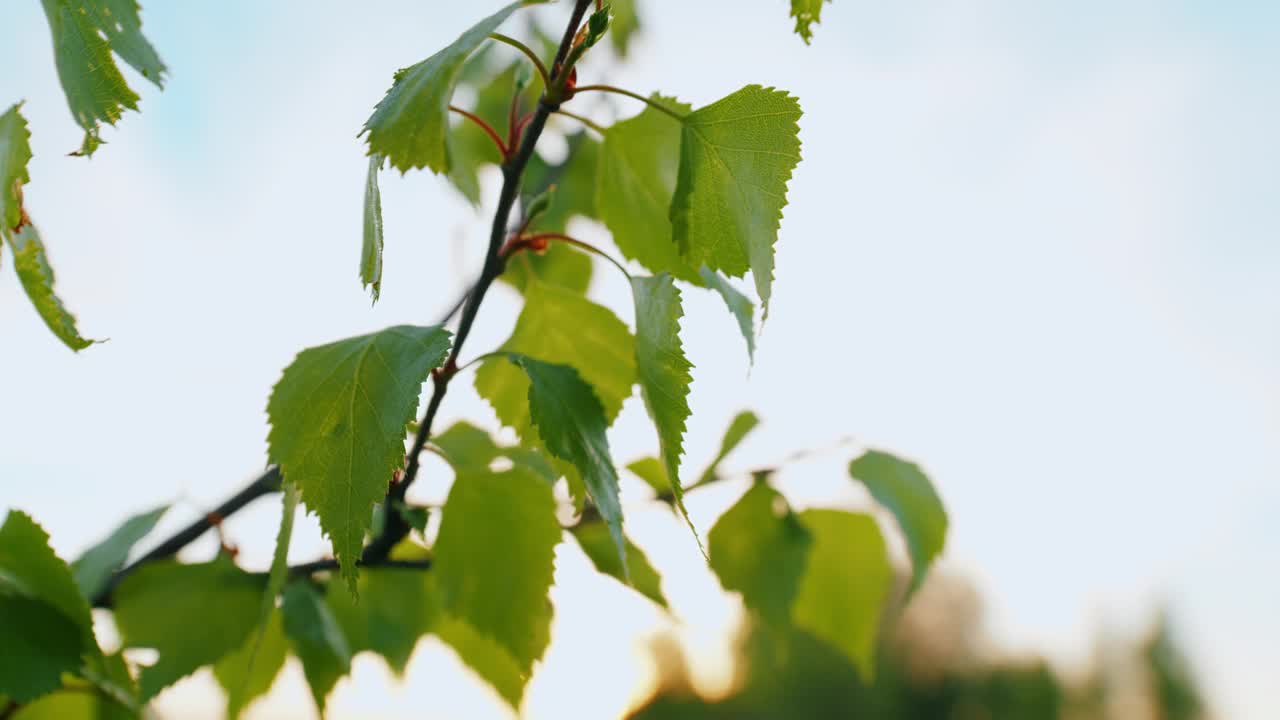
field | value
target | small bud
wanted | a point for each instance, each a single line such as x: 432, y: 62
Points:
x: 539, y: 204
x: 597, y: 25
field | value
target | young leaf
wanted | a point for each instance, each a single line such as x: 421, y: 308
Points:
x: 807, y: 14
x: 85, y: 33
x: 663, y: 371
x: 36, y: 276
x: 316, y: 639
x: 494, y: 559
x: 572, y: 426
x: 338, y: 419
x: 626, y: 23
x: 743, y: 423
x: 250, y: 671
x: 560, y: 265
x: 39, y: 645
x: 759, y: 549
x: 560, y: 326
x: 906, y: 491
x: 371, y: 249
x: 192, y: 615
x: 650, y: 470
x: 740, y: 305
x: 15, y: 153
x: 597, y: 543
x: 844, y: 589
x: 639, y: 161
x: 736, y: 156
x: 410, y: 125
x: 94, y: 568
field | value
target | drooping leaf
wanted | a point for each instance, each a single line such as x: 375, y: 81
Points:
x: 807, y: 13
x: 844, y: 588
x: 37, y: 279
x: 494, y: 559
x: 740, y: 305
x: 743, y: 423
x: 338, y: 419
x: 907, y: 492
x: 39, y: 645
x: 93, y: 569
x: 639, y: 162
x: 650, y: 470
x: 571, y: 423
x: 663, y: 371
x: 560, y: 326
x: 371, y: 249
x: 15, y: 153
x: 192, y: 615
x: 736, y: 157
x: 410, y: 125
x: 316, y: 639
x: 597, y: 543
x: 85, y: 34
x: 30, y: 568
x: 249, y: 672
x: 759, y: 548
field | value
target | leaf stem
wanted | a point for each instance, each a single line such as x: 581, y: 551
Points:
x: 584, y: 120
x: 493, y: 134
x: 529, y: 241
x: 528, y: 52
x: 637, y: 96
x: 512, y: 173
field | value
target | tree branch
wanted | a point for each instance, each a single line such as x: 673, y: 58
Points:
x: 512, y: 174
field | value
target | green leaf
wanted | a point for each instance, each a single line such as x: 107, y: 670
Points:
x: 249, y: 672
x: 639, y: 162
x: 736, y: 156
x: 626, y: 23
x: 843, y: 592
x: 494, y: 574
x: 85, y: 33
x: 907, y: 492
x: 410, y: 125
x: 470, y: 147
x: 30, y: 568
x: 37, y: 279
x: 758, y: 548
x: 740, y: 305
x: 94, y: 568
x: 467, y: 447
x: 192, y: 615
x: 39, y: 644
x: 572, y: 426
x: 15, y: 153
x: 338, y: 419
x: 371, y: 249
x: 663, y: 371
x: 395, y: 609
x: 575, y: 181
x: 559, y: 265
x: 316, y: 639
x: 483, y: 654
x: 650, y: 470
x: 807, y: 14
x: 742, y: 424
x: 562, y: 327
x: 597, y: 543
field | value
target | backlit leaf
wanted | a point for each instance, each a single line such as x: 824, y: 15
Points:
x: 847, y: 581
x: 494, y: 559
x: 30, y: 568
x: 39, y: 645
x: 807, y: 13
x: 560, y: 326
x: 338, y: 419
x: 736, y: 158
x: 249, y: 672
x: 650, y: 470
x: 740, y: 305
x: 626, y: 23
x: 85, y: 34
x: 192, y: 615
x: 94, y: 568
x: 742, y: 424
x: 410, y: 125
x: 597, y: 543
x: 316, y: 639
x: 759, y: 549
x: 572, y: 426
x: 371, y: 249
x: 907, y: 492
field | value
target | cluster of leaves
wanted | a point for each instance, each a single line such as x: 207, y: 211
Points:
x: 692, y: 196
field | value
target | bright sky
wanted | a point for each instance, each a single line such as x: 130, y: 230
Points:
x: 1031, y: 245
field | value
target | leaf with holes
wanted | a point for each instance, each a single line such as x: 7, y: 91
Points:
x: 736, y: 157
x: 338, y: 419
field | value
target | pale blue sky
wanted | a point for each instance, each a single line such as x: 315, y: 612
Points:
x: 1032, y: 245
